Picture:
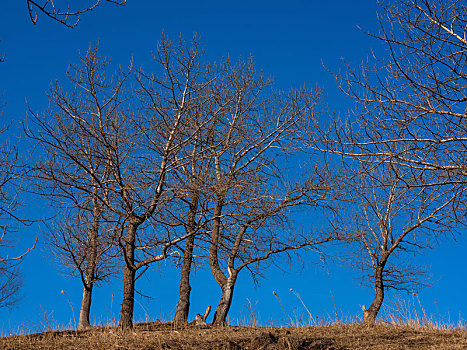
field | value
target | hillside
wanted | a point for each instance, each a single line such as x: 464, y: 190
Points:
x: 165, y: 336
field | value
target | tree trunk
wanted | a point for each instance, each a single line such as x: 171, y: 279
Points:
x: 369, y: 315
x: 183, y: 305
x: 91, y: 263
x: 83, y: 322
x: 220, y: 316
x: 129, y: 274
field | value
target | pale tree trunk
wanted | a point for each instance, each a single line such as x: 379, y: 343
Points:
x: 220, y: 316
x: 91, y: 261
x: 369, y: 315
x: 183, y: 305
x: 84, y: 312
x: 129, y: 274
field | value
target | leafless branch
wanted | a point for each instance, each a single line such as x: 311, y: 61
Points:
x: 67, y: 16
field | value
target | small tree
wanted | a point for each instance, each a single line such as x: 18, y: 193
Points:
x: 73, y: 169
x: 410, y: 123
x: 82, y: 243
x: 395, y: 219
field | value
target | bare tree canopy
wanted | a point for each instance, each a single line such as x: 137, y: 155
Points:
x: 62, y: 11
x: 73, y: 171
x: 230, y: 182
x: 256, y: 130
x: 412, y: 104
x: 406, y: 147
x: 393, y: 219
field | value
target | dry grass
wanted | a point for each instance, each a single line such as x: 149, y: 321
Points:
x: 165, y: 336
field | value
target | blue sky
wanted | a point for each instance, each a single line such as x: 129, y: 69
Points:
x: 288, y: 40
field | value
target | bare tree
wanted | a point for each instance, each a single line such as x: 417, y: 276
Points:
x: 138, y: 146
x: 74, y: 172
x: 409, y: 135
x: 69, y: 17
x: 210, y: 138
x: 165, y: 129
x: 82, y: 244
x: 236, y: 197
x: 396, y: 217
x: 256, y: 132
x: 62, y: 11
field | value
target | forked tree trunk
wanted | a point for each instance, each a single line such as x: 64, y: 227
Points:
x: 220, y: 316
x: 369, y: 315
x: 183, y: 305
x: 85, y: 310
x: 129, y: 274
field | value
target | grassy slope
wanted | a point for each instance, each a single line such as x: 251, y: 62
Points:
x: 164, y: 336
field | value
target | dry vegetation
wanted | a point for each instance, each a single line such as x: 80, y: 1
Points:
x: 166, y: 336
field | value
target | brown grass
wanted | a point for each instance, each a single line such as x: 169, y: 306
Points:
x: 164, y: 336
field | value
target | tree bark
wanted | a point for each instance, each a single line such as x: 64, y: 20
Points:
x: 129, y: 274
x: 226, y: 284
x: 83, y: 322
x: 217, y: 273
x: 369, y: 315
x: 183, y: 305
x: 220, y: 316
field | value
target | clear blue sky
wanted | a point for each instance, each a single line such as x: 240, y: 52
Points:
x: 289, y: 40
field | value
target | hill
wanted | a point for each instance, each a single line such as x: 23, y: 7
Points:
x: 165, y: 336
